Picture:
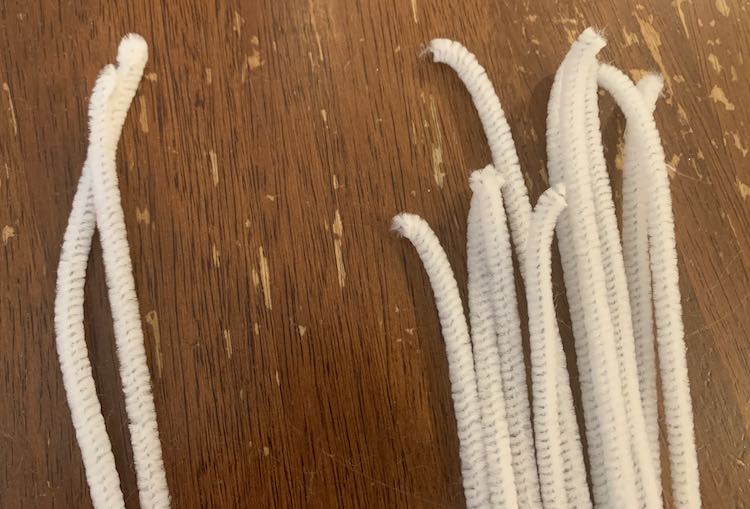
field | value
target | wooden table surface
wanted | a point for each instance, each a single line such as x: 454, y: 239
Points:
x: 293, y: 340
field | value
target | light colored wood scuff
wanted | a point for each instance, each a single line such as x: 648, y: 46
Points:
x: 214, y: 167
x: 653, y: 42
x: 209, y: 76
x: 237, y: 22
x: 630, y: 37
x: 143, y: 115
x: 302, y: 330
x: 722, y: 7
x: 672, y: 165
x: 11, y: 109
x: 414, y: 11
x: 265, y: 277
x: 215, y: 256
x: 152, y: 319
x: 8, y: 233
x: 151, y: 76
x: 678, y: 6
x: 718, y: 96
x: 338, y: 233
x: 714, y: 61
x: 228, y: 342
x: 738, y: 144
x: 252, y: 61
x: 743, y: 188
x: 314, y: 25
x: 142, y: 215
x: 437, y: 148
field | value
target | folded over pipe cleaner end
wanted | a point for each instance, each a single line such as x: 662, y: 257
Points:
x: 404, y: 224
x: 593, y: 36
x: 437, y: 48
x: 132, y: 51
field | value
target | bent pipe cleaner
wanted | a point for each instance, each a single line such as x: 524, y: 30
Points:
x: 619, y: 292
x: 97, y: 204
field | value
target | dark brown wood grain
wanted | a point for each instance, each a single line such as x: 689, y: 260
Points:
x: 293, y: 340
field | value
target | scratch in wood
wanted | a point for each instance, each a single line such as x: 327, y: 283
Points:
x: 414, y: 11
x: 214, y: 167
x: 314, y: 25
x: 265, y: 277
x: 237, y: 22
x: 437, y: 147
x: 302, y: 330
x: 209, y: 77
x: 215, y: 256
x: 653, y: 42
x: 324, y: 116
x: 143, y: 115
x: 11, y: 109
x: 678, y: 6
x: 152, y: 319
x: 227, y: 342
x: 338, y: 233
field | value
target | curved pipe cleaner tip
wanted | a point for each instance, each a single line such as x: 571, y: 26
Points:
x: 132, y: 51
x: 405, y: 224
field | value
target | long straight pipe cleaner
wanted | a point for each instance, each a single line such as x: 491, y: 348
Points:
x: 97, y: 204
x: 618, y: 293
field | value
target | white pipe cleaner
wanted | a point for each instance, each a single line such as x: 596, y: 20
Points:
x: 459, y: 353
x: 97, y: 204
x: 514, y: 199
x: 609, y: 285
x: 638, y: 103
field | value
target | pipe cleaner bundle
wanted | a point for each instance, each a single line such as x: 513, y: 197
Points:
x: 623, y: 295
x: 97, y: 205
